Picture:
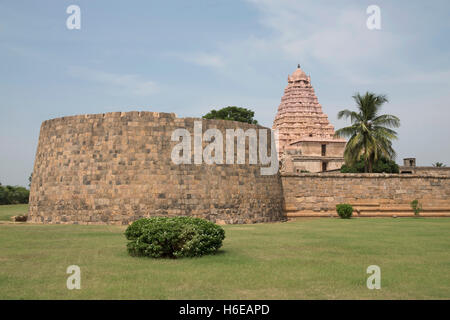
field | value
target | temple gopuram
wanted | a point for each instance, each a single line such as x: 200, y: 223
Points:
x: 306, y: 141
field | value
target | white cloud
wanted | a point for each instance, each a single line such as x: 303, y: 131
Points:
x: 119, y: 83
x: 202, y: 59
x: 205, y: 59
x: 331, y: 34
x: 433, y: 77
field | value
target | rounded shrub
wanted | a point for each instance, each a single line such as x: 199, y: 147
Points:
x: 344, y: 210
x: 174, y: 237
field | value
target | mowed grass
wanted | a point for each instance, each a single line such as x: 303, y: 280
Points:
x: 7, y: 211
x: 323, y: 258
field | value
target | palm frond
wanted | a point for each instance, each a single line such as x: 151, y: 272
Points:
x: 387, y: 120
x: 346, y: 132
x: 370, y: 133
x: 354, y: 148
x: 385, y: 132
x: 348, y: 114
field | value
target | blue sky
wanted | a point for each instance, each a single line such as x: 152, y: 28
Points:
x: 188, y: 57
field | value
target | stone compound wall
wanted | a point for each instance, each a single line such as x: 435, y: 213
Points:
x: 114, y: 168
x: 370, y: 194
x: 426, y: 171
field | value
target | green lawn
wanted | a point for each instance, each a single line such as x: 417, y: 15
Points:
x: 323, y: 258
x: 7, y: 211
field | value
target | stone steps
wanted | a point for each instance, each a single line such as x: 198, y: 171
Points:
x: 298, y: 214
x: 374, y: 210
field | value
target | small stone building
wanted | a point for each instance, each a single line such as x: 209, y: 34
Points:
x: 306, y: 141
x: 410, y: 167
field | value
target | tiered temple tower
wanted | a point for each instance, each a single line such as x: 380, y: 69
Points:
x: 306, y: 139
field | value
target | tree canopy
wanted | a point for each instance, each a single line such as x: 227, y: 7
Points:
x: 370, y: 133
x: 382, y: 165
x: 438, y: 165
x: 13, y: 194
x: 232, y: 113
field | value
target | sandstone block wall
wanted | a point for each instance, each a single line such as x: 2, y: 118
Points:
x: 370, y: 194
x: 116, y: 167
x: 426, y: 171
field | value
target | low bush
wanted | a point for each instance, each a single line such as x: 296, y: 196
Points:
x: 175, y: 237
x: 344, y: 210
x: 416, y: 206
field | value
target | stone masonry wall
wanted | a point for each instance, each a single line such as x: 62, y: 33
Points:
x: 116, y: 167
x: 370, y: 194
x: 427, y: 171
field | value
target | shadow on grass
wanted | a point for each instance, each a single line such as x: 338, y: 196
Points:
x: 220, y: 252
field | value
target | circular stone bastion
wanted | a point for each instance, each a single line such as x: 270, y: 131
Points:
x: 117, y: 167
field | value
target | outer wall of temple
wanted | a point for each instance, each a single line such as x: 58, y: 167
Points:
x: 370, y: 194
x: 424, y: 171
x: 114, y: 168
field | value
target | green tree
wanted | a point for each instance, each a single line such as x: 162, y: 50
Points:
x: 382, y: 165
x: 13, y: 194
x: 4, y: 195
x: 232, y: 113
x: 370, y: 133
x: 438, y: 165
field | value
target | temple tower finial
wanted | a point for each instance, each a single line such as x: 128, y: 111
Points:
x: 298, y: 65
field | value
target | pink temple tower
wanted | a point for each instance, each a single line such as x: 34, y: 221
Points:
x: 306, y: 141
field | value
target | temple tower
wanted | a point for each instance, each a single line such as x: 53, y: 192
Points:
x: 305, y: 135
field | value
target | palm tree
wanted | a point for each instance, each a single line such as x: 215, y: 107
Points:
x: 370, y: 133
x: 438, y: 165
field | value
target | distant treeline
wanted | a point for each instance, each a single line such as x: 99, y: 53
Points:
x: 13, y: 194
